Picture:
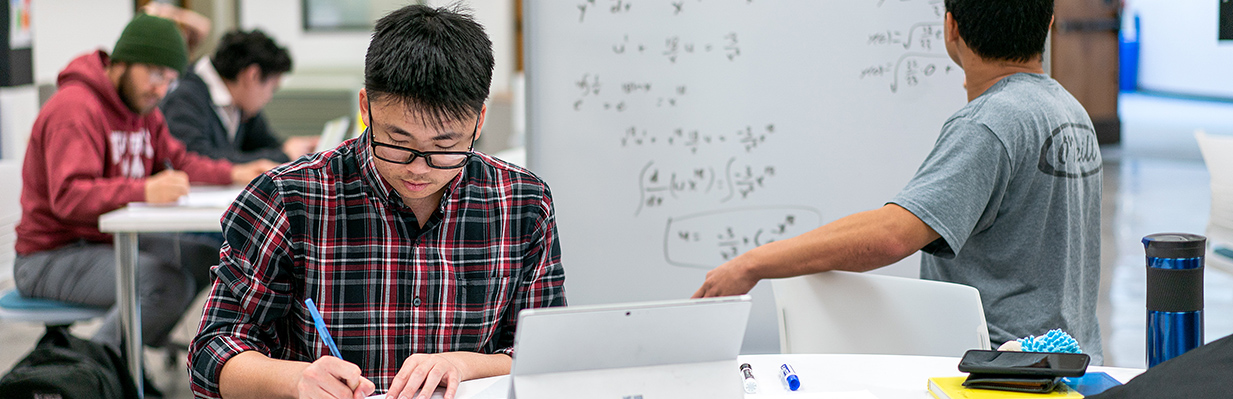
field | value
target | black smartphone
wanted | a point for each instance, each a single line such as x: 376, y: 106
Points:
x: 1024, y: 363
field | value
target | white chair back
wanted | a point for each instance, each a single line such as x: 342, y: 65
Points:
x: 844, y: 312
x: 1218, y: 155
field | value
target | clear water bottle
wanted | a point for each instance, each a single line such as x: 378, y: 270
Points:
x: 1174, y: 294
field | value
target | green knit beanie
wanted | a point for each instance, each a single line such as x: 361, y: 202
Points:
x: 152, y: 40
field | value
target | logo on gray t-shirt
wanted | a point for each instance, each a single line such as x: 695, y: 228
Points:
x: 1070, y: 151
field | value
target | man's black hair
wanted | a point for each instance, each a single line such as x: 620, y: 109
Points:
x: 435, y: 61
x: 238, y: 49
x: 1011, y: 30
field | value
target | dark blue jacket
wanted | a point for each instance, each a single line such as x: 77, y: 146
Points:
x: 190, y: 114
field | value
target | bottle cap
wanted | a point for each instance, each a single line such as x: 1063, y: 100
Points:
x: 1175, y: 245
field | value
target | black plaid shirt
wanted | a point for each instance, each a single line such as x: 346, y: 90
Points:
x: 331, y: 229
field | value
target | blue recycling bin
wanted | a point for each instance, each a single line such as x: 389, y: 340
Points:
x: 1128, y: 57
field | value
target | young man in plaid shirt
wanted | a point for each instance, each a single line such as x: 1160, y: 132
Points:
x: 418, y: 251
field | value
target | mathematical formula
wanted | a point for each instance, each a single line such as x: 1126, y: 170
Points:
x: 924, y: 55
x: 938, y: 7
x: 674, y: 47
x: 625, y: 7
x: 747, y: 138
x: 592, y: 94
x: 706, y: 240
x: 924, y: 36
x: 660, y: 186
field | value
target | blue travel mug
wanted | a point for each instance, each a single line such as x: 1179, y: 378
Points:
x: 1174, y: 294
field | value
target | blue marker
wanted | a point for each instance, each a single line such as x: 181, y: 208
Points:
x: 320, y: 324
x: 789, y: 377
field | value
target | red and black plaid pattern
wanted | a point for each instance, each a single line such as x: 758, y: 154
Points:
x: 331, y: 229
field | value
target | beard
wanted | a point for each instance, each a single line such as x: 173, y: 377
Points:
x: 131, y: 95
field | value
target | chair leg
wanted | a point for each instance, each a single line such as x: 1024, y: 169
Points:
x: 175, y: 353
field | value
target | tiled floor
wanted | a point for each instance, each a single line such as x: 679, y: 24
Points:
x: 1162, y: 185
x: 1154, y: 182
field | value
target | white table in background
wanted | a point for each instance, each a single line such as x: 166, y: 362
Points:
x: 200, y: 211
x: 822, y: 376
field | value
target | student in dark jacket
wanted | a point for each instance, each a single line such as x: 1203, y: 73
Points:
x: 216, y: 109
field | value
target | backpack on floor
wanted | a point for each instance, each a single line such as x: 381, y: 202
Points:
x: 62, y: 366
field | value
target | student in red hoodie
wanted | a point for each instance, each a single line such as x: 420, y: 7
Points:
x: 98, y: 144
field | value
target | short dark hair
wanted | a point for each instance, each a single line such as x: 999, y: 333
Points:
x: 1011, y: 30
x: 436, y: 61
x: 238, y: 49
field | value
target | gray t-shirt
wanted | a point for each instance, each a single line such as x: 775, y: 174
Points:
x: 1013, y: 187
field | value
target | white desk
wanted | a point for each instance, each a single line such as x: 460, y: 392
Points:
x: 822, y: 376
x: 201, y: 211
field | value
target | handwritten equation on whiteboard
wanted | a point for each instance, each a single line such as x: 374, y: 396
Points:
x: 660, y: 186
x: 619, y: 7
x: 747, y: 138
x: 628, y: 95
x: 675, y: 47
x: 922, y: 54
x: 706, y: 240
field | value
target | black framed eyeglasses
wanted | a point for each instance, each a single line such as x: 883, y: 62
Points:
x: 435, y: 159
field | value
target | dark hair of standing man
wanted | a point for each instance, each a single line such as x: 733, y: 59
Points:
x: 1011, y: 30
x: 238, y: 49
x: 435, y: 61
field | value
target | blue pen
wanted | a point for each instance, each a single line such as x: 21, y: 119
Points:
x: 320, y: 324
x: 789, y: 377
x: 167, y: 164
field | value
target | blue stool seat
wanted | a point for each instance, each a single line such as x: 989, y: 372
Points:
x: 1224, y: 251
x: 13, y: 306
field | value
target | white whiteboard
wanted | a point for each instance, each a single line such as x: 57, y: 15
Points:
x: 676, y: 134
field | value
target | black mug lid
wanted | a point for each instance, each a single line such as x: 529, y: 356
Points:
x: 1175, y: 245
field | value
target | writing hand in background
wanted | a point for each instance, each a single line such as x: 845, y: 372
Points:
x: 243, y: 173
x: 166, y: 186
x: 299, y: 146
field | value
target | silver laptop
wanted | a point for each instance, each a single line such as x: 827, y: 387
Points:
x: 333, y: 133
x: 648, y: 350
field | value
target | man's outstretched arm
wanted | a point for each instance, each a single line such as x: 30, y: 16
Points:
x: 859, y: 242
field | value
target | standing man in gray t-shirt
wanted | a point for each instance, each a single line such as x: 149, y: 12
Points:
x: 1007, y: 202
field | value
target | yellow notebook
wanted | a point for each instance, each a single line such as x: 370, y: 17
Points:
x: 952, y: 388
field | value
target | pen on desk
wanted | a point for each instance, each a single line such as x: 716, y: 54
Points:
x: 789, y: 377
x: 751, y: 385
x: 320, y: 324
x: 167, y: 164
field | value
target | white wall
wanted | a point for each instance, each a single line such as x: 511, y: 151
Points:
x: 18, y: 108
x: 64, y: 29
x: 281, y: 19
x: 315, y: 53
x: 1179, y: 52
x: 497, y: 16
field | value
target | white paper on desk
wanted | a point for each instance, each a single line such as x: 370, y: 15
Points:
x: 210, y: 198
x: 483, y: 388
x: 814, y: 395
